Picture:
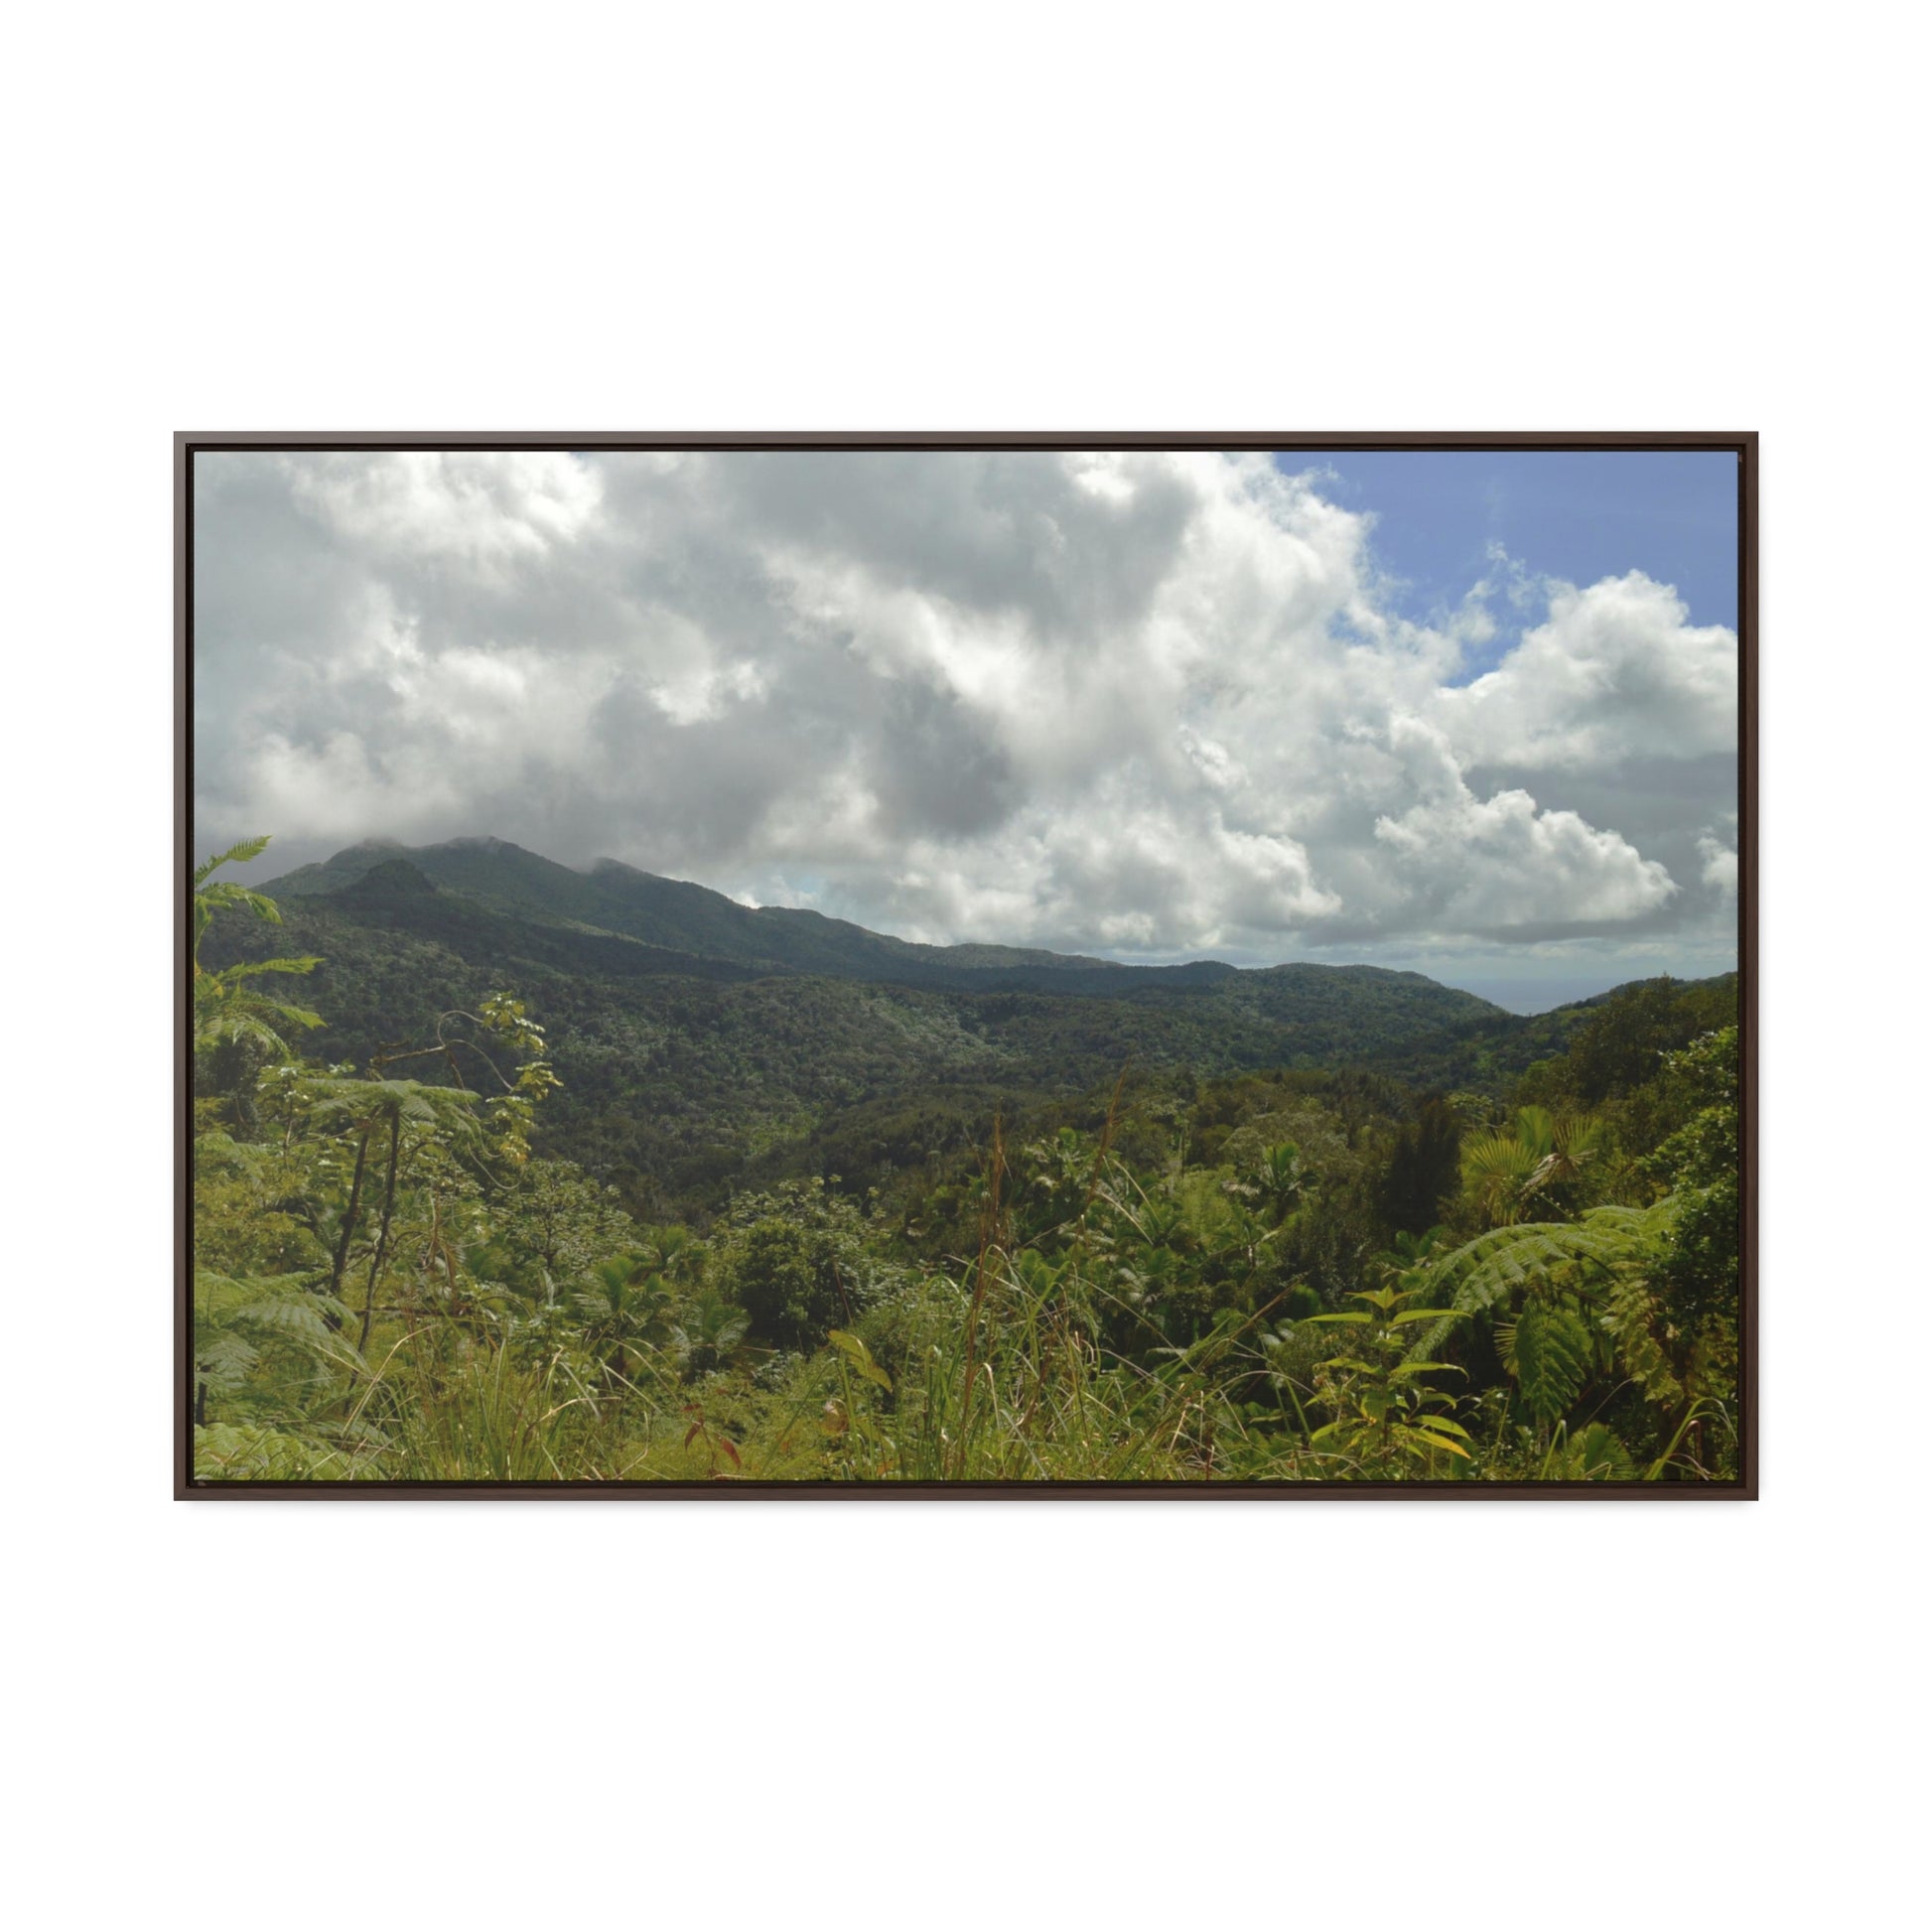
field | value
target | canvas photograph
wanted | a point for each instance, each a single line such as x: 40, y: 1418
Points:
x: 954, y: 966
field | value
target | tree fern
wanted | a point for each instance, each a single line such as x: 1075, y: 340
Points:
x: 259, y: 1340
x: 237, y: 1317
x: 248, y: 968
x: 223, y: 1360
x: 347, y: 1102
x: 1630, y: 1320
x: 1493, y: 1268
x: 211, y: 898
x: 226, y: 1010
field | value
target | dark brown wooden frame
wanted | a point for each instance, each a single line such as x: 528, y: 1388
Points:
x: 1743, y: 443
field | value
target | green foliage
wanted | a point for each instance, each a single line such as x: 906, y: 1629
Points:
x: 1278, y: 1181
x: 551, y: 1227
x: 629, y: 1310
x: 1537, y: 1161
x: 1495, y: 1268
x: 1497, y: 1173
x: 1702, y: 1161
x: 1219, y: 1265
x: 1617, y: 1055
x: 709, y: 1332
x: 228, y: 1007
x: 1552, y: 1356
x: 795, y: 1262
x: 1591, y: 1453
x: 1622, y: 1044
x: 1388, y: 1419
x: 1422, y: 1168
x: 229, y: 1451
x: 688, y: 1078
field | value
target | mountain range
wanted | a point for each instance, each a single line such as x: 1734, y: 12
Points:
x: 684, y: 923
x: 703, y: 1042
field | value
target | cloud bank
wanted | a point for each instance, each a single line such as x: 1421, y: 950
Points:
x: 1149, y: 705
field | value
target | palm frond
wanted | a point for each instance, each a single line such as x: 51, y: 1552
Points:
x: 1592, y: 1454
x: 1498, y: 1171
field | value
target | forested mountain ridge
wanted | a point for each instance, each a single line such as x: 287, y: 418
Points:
x: 671, y: 914
x: 676, y: 916
x: 689, y: 1071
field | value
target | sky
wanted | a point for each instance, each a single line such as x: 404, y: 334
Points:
x: 1467, y: 714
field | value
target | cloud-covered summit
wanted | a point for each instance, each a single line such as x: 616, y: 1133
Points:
x: 1147, y: 705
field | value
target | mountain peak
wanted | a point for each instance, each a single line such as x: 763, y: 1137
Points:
x: 392, y: 879
x: 481, y: 842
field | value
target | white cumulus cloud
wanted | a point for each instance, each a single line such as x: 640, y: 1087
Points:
x: 1149, y: 704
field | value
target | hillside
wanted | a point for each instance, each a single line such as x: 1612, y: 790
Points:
x: 672, y: 915
x: 704, y: 1044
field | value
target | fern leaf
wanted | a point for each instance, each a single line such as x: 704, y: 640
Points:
x: 251, y: 967
x: 233, y: 1452
x: 281, y: 1307
x: 223, y: 1360
x: 1553, y: 1351
x: 237, y: 855
x: 1488, y: 1271
x: 210, y: 900
x: 1630, y: 1322
x: 300, y: 1319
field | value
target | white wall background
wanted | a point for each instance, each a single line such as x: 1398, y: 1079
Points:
x: 495, y: 216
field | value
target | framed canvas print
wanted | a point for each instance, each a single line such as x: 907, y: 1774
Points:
x: 1157, y: 965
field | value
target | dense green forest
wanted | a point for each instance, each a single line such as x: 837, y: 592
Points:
x: 689, y: 1075
x: 505, y: 1172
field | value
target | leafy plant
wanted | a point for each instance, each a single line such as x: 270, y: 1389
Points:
x: 229, y: 1006
x: 1386, y: 1416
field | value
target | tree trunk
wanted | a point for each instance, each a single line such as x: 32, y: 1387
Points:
x: 341, y: 1267
x: 383, y: 1233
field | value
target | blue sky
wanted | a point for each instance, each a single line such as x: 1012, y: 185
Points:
x: 1578, y: 514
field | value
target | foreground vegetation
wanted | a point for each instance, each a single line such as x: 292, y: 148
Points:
x: 1291, y: 1275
